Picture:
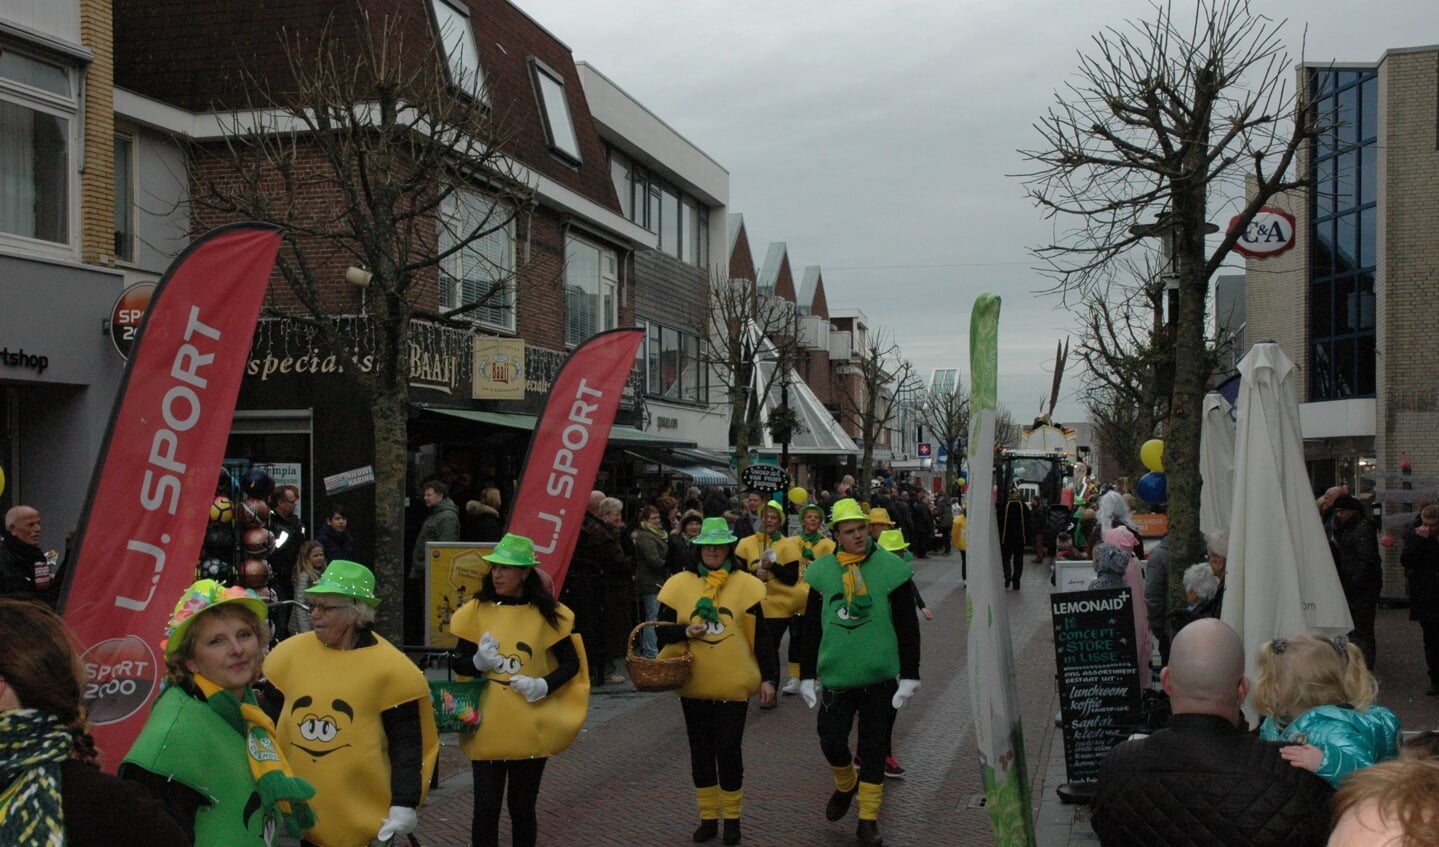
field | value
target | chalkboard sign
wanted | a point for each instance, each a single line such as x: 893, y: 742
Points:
x: 769, y: 478
x: 1098, y: 680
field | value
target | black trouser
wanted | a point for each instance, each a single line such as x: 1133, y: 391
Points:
x: 776, y: 628
x: 1431, y: 650
x: 796, y: 639
x: 964, y: 565
x: 1362, y: 610
x: 584, y: 595
x: 1012, y: 556
x: 524, y: 779
x: 716, y: 733
x: 838, y: 708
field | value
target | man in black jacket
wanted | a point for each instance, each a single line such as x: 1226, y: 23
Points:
x: 25, y: 569
x: 1356, y: 555
x: 1201, y: 780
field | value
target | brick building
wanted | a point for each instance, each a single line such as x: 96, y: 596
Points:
x: 1365, y: 275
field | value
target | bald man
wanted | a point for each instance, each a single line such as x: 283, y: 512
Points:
x: 1202, y: 780
x: 24, y: 569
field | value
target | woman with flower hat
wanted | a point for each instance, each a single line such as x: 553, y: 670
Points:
x: 207, y: 750
x: 716, y: 608
x: 812, y: 543
x: 522, y: 640
x: 354, y: 715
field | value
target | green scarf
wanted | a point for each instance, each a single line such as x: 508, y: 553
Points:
x: 714, y: 581
x: 33, y: 744
x: 807, y: 544
x: 278, y: 785
x: 657, y: 532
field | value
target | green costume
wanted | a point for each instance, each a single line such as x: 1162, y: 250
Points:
x: 188, y: 741
x: 859, y: 646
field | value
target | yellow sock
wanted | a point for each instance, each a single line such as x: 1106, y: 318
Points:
x: 844, y: 777
x: 794, y: 670
x: 870, y: 793
x: 708, y: 799
x: 730, y: 802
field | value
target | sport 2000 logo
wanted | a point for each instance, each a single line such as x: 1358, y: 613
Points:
x: 123, y: 674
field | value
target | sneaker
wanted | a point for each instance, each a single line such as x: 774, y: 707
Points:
x: 892, y: 770
x: 615, y: 678
x: 791, y: 687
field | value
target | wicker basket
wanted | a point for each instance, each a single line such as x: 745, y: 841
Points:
x: 657, y: 674
x: 456, y: 704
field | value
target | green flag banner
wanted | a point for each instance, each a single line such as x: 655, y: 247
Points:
x: 993, y: 691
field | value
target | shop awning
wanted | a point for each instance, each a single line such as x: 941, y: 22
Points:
x: 619, y: 434
x: 675, y: 463
x: 820, y: 434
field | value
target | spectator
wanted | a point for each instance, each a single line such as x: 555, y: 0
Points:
x: 482, y: 521
x: 1388, y: 805
x: 1202, y: 780
x: 442, y: 524
x: 597, y: 552
x: 1014, y: 524
x: 289, y: 533
x: 1156, y: 592
x: 25, y: 569
x: 335, y: 536
x: 1421, y: 565
x: 1356, y: 555
x: 651, y: 571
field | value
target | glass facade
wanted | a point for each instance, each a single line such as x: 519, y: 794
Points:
x: 1343, y: 251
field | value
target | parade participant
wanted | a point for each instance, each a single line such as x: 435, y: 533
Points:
x: 523, y: 641
x: 354, y: 715
x: 53, y: 791
x: 718, y: 613
x: 776, y: 560
x: 812, y: 544
x: 960, y: 533
x: 1318, y: 692
x: 879, y: 521
x: 207, y: 750
x: 862, y: 640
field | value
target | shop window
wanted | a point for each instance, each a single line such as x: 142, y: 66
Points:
x: 673, y: 370
x: 555, y: 109
x: 457, y: 40
x: 591, y: 290
x: 477, y: 268
x: 37, y: 124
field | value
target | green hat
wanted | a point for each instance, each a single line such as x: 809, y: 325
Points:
x: 347, y: 579
x: 515, y: 551
x: 773, y: 504
x: 714, y: 531
x: 846, y: 510
x: 812, y: 507
x: 893, y: 540
x: 201, y: 597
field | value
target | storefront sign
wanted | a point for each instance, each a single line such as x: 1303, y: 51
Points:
x: 357, y: 478
x: 663, y: 422
x: 499, y: 369
x: 20, y: 359
x: 1098, y: 681
x: 127, y: 314
x: 1270, y: 233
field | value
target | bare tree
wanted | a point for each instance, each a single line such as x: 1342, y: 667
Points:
x: 866, y: 390
x: 750, y: 341
x: 945, y: 415
x: 1006, y: 431
x: 1167, y: 113
x: 411, y: 172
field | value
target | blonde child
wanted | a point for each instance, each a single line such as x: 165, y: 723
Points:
x: 1319, y: 693
x: 309, y: 564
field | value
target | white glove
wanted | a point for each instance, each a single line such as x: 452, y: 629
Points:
x: 400, y: 823
x: 906, y: 690
x: 534, y: 688
x: 488, y: 658
x: 806, y: 692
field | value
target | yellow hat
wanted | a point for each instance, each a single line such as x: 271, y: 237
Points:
x: 880, y: 516
x: 846, y: 510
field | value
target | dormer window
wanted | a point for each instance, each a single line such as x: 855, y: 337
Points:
x: 555, y: 109
x: 451, y: 19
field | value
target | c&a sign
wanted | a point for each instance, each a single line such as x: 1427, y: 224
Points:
x: 1271, y: 233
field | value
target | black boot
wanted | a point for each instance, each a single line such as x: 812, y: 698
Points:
x: 707, y: 831
x: 868, y: 834
x: 731, y: 831
x: 838, y: 805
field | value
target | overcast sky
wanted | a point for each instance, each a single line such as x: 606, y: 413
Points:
x: 875, y: 138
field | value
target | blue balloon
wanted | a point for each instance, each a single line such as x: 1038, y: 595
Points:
x: 1153, y: 487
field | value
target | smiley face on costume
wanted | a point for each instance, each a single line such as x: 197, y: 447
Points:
x: 716, y: 631
x: 322, y: 734
x: 513, y: 663
x: 847, y: 615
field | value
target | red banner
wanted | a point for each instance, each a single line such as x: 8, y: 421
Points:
x: 564, y: 456
x: 150, y: 497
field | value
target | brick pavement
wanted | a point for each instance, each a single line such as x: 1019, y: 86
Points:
x: 625, y: 781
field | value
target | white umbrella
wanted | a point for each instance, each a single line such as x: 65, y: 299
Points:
x: 1216, y: 464
x: 1281, y: 578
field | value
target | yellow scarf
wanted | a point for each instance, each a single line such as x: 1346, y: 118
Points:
x: 278, y: 784
x: 714, y: 581
x: 853, y: 580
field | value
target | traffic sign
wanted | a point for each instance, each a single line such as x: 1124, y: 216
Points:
x: 924, y: 449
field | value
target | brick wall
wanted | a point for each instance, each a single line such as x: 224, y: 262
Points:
x: 97, y: 180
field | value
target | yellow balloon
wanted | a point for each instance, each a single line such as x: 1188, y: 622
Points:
x: 1152, y: 455
x: 2, y: 480
x: 798, y: 496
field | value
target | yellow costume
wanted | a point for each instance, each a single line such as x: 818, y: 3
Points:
x: 331, y: 730
x: 724, y: 663
x: 512, y: 727
x: 780, y: 600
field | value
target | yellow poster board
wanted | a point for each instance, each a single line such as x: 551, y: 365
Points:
x: 453, y: 576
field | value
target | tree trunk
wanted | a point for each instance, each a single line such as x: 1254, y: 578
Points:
x: 389, y: 417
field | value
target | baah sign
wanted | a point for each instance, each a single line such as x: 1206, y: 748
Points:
x: 1098, y: 681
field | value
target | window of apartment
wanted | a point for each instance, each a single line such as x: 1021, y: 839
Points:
x: 591, y: 289
x: 620, y: 176
x: 555, y: 108
x: 673, y: 369
x: 37, y: 122
x: 680, y: 220
x: 482, y: 271
x: 124, y: 198
x: 457, y: 40
x: 1343, y: 237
